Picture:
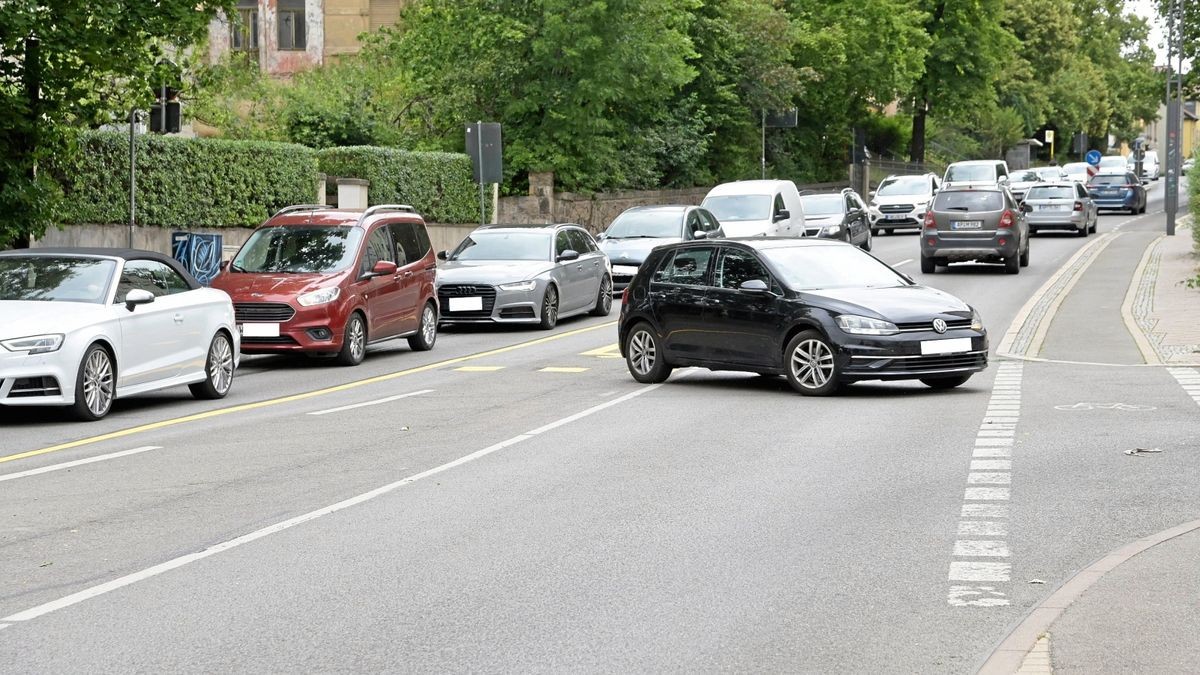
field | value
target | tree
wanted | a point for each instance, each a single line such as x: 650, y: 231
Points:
x: 70, y: 64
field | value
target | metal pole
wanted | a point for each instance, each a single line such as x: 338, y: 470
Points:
x: 1174, y: 31
x: 479, y: 147
x: 132, y: 177
x: 764, y: 144
x: 162, y: 129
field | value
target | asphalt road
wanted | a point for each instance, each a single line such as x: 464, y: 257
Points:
x: 477, y: 512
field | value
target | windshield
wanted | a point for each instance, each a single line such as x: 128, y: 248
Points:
x: 822, y: 205
x: 1051, y: 192
x: 1109, y: 179
x: 1049, y: 173
x: 1025, y: 177
x: 504, y: 246
x: 909, y: 185
x: 815, y: 267
x: 1112, y: 162
x: 728, y: 208
x: 298, y: 250
x: 55, y: 279
x: 1076, y: 169
x: 971, y: 172
x: 968, y: 200
x: 658, y: 223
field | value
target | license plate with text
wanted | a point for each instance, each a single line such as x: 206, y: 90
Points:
x: 967, y: 225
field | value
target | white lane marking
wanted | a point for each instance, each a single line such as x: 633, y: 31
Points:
x: 984, y: 511
x: 982, y: 528
x: 976, y: 596
x: 985, y: 494
x: 971, y: 548
x: 979, y: 571
x: 992, y: 452
x: 995, y: 433
x: 989, y: 478
x: 902, y: 262
x: 992, y: 442
x: 129, y: 579
x: 78, y: 462
x: 378, y: 401
x: 985, y: 464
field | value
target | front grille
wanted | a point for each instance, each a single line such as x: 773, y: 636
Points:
x: 812, y: 232
x: 27, y: 387
x: 268, y: 312
x: 943, y: 362
x: 488, y: 293
x: 517, y: 313
x: 896, y: 208
x: 951, y: 324
x: 281, y: 340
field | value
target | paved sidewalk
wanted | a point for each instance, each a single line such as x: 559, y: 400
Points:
x: 1166, y: 310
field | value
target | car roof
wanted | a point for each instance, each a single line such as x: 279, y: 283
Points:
x: 332, y: 216
x: 548, y: 227
x: 748, y: 187
x: 981, y: 162
x: 110, y: 253
x: 661, y: 207
x: 759, y: 243
x: 972, y: 188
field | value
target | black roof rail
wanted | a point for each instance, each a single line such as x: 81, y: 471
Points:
x: 300, y: 207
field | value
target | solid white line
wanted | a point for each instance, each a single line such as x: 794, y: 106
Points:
x: 985, y: 494
x: 979, y: 571
x: 986, y: 528
x: 902, y: 262
x: 969, y: 548
x: 389, y: 399
x: 78, y: 462
x: 984, y: 511
x: 129, y: 579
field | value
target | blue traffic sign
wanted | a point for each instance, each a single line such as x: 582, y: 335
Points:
x: 1093, y: 157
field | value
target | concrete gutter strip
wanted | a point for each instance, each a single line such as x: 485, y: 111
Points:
x: 1149, y: 354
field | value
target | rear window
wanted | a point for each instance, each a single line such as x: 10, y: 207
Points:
x: 971, y: 172
x: 968, y: 200
x: 1056, y: 192
x: 1108, y: 179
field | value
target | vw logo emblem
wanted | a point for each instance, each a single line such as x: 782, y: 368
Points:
x: 939, y: 325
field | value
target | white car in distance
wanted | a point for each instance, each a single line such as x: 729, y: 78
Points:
x: 83, y: 327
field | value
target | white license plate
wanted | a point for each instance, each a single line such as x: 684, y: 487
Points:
x: 628, y: 270
x: 967, y: 225
x: 1053, y: 207
x: 260, y: 329
x: 896, y: 216
x: 951, y: 346
x: 466, y: 304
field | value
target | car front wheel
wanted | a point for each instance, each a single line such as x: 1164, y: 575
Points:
x: 644, y: 356
x: 95, y: 385
x: 549, y: 308
x: 218, y: 370
x: 354, y: 341
x: 810, y: 364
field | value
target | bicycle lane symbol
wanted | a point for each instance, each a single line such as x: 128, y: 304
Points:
x: 1106, y: 406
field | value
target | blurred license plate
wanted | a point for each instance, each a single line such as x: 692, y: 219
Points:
x: 1053, y: 207
x: 951, y: 346
x: 897, y: 216
x: 967, y: 225
x: 466, y: 304
x: 260, y: 329
x: 628, y: 270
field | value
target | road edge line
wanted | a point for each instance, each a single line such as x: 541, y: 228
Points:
x: 1006, y: 658
x: 1140, y: 338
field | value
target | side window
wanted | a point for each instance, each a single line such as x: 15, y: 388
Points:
x: 779, y: 205
x: 693, y: 223
x: 1080, y: 191
x: 580, y: 241
x: 737, y: 267
x: 1000, y: 172
x: 687, y: 266
x: 562, y: 242
x: 850, y: 204
x: 149, y: 275
x: 710, y: 221
x: 412, y: 242
x: 379, y: 247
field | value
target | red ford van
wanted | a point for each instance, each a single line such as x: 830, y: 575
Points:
x: 320, y: 280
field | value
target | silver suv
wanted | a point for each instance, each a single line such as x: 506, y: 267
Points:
x: 980, y: 224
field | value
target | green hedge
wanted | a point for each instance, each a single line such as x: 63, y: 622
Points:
x: 437, y: 184
x: 185, y: 182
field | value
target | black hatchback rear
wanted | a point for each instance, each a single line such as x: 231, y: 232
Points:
x: 975, y: 224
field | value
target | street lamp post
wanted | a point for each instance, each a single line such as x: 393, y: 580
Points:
x: 1174, y: 103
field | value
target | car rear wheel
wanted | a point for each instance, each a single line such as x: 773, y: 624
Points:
x: 644, y: 356
x: 354, y: 341
x: 426, y: 333
x: 927, y: 265
x: 95, y: 385
x: 218, y: 370
x: 945, y: 382
x: 604, y: 300
x: 810, y: 365
x: 1012, y: 264
x: 549, y: 308
x: 1025, y: 256
x: 866, y: 246
x: 1084, y: 231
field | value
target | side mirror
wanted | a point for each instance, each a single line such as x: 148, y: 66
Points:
x: 382, y: 268
x: 699, y: 234
x: 442, y: 255
x: 602, y: 236
x: 1026, y: 208
x: 224, y: 265
x: 782, y: 214
x: 871, y: 194
x: 755, y: 287
x: 138, y: 297
x: 568, y: 255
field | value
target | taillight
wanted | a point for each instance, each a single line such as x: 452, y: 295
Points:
x: 625, y: 295
x: 929, y: 221
x: 1078, y: 206
x: 1007, y: 219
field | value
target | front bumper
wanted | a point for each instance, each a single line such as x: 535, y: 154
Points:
x: 497, y: 305
x: 622, y: 276
x: 41, y: 379
x: 899, y: 357
x: 1003, y: 244
x: 310, y: 329
x: 911, y: 217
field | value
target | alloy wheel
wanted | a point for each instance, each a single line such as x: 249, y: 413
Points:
x: 642, y: 352
x: 220, y: 368
x: 98, y: 382
x: 428, y: 325
x: 357, y: 339
x: 812, y: 364
x: 550, y: 306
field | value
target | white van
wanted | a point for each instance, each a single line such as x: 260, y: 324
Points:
x: 976, y: 173
x: 1150, y: 165
x: 755, y: 208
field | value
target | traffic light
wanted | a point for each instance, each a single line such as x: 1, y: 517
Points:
x: 171, y: 102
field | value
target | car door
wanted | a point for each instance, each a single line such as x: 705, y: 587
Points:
x: 1091, y: 213
x: 381, y: 294
x: 411, y: 273
x: 594, y: 264
x: 741, y: 326
x: 856, y: 218
x: 153, y: 334
x: 677, y: 292
x: 571, y: 273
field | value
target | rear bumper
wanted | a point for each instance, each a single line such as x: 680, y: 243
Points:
x: 1128, y: 201
x: 1003, y: 244
x: 1058, y: 219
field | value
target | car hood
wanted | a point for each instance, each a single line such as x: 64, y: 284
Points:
x: 745, y: 228
x: 898, y: 304
x: 822, y: 221
x: 23, y: 318
x: 254, y: 287
x: 900, y: 199
x: 490, y: 271
x: 969, y: 183
x: 633, y: 251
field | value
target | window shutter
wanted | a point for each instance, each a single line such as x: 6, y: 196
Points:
x: 384, y: 13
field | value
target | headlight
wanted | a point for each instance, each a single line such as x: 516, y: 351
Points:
x: 864, y: 325
x: 976, y: 320
x: 519, y: 286
x: 321, y: 297
x: 34, y: 344
x: 831, y: 230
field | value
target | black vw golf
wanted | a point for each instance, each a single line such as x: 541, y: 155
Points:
x: 822, y: 313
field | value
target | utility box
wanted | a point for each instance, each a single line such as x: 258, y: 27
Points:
x: 200, y: 254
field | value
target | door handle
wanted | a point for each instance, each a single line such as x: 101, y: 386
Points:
x: 408, y: 274
x: 178, y: 318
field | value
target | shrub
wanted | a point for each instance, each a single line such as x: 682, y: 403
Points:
x: 184, y: 182
x: 437, y: 184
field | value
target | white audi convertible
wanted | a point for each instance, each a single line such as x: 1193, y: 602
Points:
x: 83, y: 327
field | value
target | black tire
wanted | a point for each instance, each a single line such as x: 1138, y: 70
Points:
x: 1024, y: 260
x: 426, y: 335
x: 644, y: 355
x: 810, y: 364
x: 927, y: 265
x: 866, y: 245
x: 875, y: 231
x: 1095, y: 223
x: 604, y: 299
x: 1083, y: 232
x: 96, y: 381
x: 945, y: 382
x: 218, y: 370
x: 549, y: 308
x: 354, y: 341
x: 888, y: 230
x: 1012, y: 264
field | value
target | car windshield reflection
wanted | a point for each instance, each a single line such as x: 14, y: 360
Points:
x: 48, y: 279
x: 504, y: 246
x: 821, y: 267
x: 733, y: 208
x: 298, y: 250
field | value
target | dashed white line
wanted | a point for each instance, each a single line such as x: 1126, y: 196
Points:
x: 902, y: 262
x: 379, y: 401
x: 78, y: 462
x: 973, y: 548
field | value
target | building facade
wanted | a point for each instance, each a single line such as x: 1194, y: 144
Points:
x: 288, y: 36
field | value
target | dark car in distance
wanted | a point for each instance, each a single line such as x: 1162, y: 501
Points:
x: 1118, y: 191
x: 838, y: 215
x: 822, y: 313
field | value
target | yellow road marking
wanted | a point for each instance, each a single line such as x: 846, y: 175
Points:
x: 612, y: 351
x: 297, y: 397
x: 479, y: 369
x: 559, y: 369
